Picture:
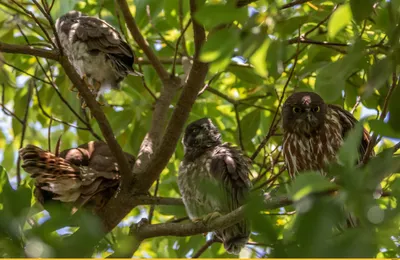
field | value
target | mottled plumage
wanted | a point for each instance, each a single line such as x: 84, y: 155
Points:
x: 95, y: 49
x: 88, y: 173
x: 214, y: 177
x: 314, y: 132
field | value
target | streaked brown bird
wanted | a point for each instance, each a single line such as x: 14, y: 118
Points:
x: 214, y: 180
x: 96, y: 50
x: 84, y: 176
x: 314, y: 131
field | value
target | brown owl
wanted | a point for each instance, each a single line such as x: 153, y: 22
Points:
x: 214, y: 180
x: 313, y: 133
x: 96, y: 50
x: 87, y: 175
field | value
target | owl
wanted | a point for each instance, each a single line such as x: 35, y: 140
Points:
x: 214, y: 180
x: 96, y: 50
x: 84, y: 176
x: 314, y: 132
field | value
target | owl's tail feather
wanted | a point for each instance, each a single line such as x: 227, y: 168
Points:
x: 235, y: 244
x: 52, y: 173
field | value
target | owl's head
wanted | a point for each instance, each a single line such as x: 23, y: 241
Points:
x: 67, y: 18
x: 303, y: 113
x: 201, y: 134
x: 72, y: 15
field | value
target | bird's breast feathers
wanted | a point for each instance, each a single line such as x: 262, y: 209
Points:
x: 315, y: 151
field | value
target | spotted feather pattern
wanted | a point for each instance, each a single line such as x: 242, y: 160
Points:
x: 76, y: 176
x: 217, y: 180
x: 95, y: 49
x: 313, y: 153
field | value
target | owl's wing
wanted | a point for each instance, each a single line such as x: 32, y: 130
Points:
x: 348, y: 121
x: 231, y: 167
x: 53, y: 174
x: 102, y: 37
x: 66, y: 177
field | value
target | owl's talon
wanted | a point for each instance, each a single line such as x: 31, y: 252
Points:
x: 197, y: 220
x: 72, y: 89
x: 211, y: 217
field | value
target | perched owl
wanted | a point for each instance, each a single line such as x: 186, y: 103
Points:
x: 96, y: 50
x: 314, y: 132
x: 87, y: 175
x: 214, y: 180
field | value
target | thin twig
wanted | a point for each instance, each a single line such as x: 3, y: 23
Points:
x: 177, y: 46
x: 56, y: 119
x: 206, y: 246
x: 24, y: 72
x: 152, y: 207
x: 23, y: 49
x: 134, y: 29
x: 23, y: 131
x: 297, y: 2
x: 145, y: 84
x: 373, y: 142
x: 273, y: 126
x: 239, y: 127
x: 49, y: 134
x: 36, y: 20
x: 6, y: 111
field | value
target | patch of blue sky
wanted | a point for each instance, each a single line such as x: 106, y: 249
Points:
x: 65, y: 231
x: 44, y: 218
x: 134, y: 219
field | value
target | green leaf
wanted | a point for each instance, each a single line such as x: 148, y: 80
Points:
x: 275, y: 58
x: 8, y: 159
x: 394, y: 110
x: 330, y: 82
x: 246, y: 74
x: 215, y: 14
x: 378, y: 75
x: 381, y: 128
x: 349, y: 152
x: 307, y: 183
x: 250, y: 124
x: 361, y: 9
x: 258, y: 59
x: 339, y: 19
x: 213, y: 50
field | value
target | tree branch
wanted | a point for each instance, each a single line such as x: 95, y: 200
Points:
x: 101, y: 119
x: 150, y: 200
x: 133, y: 28
x: 142, y: 230
x: 25, y: 49
x: 181, y: 113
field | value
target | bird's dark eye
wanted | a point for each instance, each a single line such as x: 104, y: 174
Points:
x: 195, y: 130
x: 296, y: 109
x: 315, y: 109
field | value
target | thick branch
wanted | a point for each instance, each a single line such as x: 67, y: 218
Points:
x: 133, y: 28
x: 189, y: 94
x: 148, y: 200
x: 104, y: 125
x: 24, y: 49
x: 189, y: 229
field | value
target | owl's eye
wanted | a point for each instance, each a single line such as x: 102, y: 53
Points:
x: 195, y: 130
x: 315, y: 109
x: 296, y: 109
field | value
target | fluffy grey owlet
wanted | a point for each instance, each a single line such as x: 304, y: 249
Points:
x: 96, y: 50
x: 214, y: 180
